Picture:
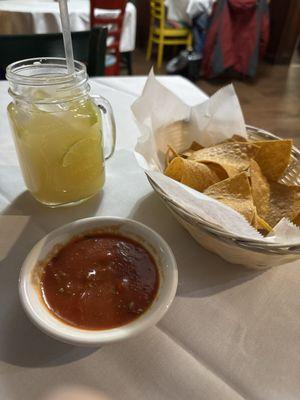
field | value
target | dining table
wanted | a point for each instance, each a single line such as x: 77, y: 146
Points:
x: 20, y: 17
x: 231, y: 333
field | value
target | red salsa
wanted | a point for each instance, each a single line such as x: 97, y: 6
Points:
x: 100, y: 281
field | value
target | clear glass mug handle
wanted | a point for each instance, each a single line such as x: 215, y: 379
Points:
x: 108, y: 125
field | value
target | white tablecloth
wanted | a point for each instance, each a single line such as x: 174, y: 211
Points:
x: 230, y: 334
x: 42, y: 16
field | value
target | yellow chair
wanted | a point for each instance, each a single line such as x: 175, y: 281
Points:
x: 162, y: 34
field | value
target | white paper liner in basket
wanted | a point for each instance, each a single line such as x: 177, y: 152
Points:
x: 163, y: 120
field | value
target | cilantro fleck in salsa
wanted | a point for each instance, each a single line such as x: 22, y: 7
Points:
x: 100, y: 281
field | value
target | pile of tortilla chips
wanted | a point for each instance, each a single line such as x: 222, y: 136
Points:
x: 244, y: 175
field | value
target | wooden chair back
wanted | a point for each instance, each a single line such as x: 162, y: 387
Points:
x: 115, y: 22
x: 157, y: 13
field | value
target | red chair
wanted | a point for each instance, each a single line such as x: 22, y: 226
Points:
x: 114, y: 24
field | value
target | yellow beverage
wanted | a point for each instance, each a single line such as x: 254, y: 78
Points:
x: 60, y: 149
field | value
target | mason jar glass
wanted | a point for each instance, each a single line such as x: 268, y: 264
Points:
x: 59, y: 130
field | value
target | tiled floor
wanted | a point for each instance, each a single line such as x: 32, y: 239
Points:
x: 271, y: 101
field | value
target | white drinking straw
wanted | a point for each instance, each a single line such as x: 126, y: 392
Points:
x: 65, y: 23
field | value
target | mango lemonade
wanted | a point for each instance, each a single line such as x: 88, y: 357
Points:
x: 60, y: 149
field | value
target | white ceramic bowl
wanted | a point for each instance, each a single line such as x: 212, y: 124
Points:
x: 39, y: 314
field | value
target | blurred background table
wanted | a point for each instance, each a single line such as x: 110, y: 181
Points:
x: 42, y: 16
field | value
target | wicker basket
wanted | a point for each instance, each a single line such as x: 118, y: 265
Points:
x: 238, y: 250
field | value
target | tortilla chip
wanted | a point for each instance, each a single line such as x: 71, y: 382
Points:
x: 261, y: 197
x: 260, y: 189
x: 273, y: 200
x: 236, y: 193
x: 235, y: 138
x: 198, y: 176
x: 233, y: 157
x: 273, y: 157
x: 193, y: 147
x: 242, y: 175
x: 238, y: 138
x: 284, y: 202
x: 193, y: 174
x: 296, y: 220
x: 175, y: 169
x: 170, y: 154
x: 218, y: 169
x: 260, y: 224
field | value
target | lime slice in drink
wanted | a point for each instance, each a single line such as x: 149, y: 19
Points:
x: 83, y: 154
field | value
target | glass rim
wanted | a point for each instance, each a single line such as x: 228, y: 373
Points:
x: 13, y: 72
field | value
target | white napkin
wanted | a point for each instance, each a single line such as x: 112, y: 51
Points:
x: 163, y: 119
